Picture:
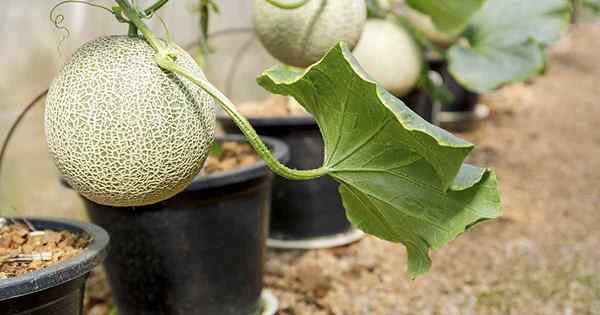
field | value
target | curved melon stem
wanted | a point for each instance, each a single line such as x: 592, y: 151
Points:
x: 288, y: 6
x: 165, y: 58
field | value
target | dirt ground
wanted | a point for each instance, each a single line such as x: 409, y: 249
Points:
x: 542, y: 257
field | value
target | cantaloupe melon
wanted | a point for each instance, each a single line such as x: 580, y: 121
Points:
x: 122, y: 131
x: 389, y: 54
x: 301, y: 37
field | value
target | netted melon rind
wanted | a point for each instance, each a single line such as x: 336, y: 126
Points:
x: 122, y: 131
x: 301, y: 37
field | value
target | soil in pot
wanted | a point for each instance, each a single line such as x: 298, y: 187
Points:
x: 23, y: 250
x: 201, y: 251
x: 46, y: 263
x: 228, y: 156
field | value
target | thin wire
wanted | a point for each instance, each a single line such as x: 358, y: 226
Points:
x: 13, y: 127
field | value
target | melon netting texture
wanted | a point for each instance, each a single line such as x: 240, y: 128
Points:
x: 122, y: 131
x: 302, y: 36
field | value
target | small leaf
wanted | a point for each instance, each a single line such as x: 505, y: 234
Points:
x: 402, y: 179
x: 449, y: 16
x: 506, y: 39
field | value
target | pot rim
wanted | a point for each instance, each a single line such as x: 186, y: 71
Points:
x: 303, y: 120
x: 242, y: 174
x: 62, y: 272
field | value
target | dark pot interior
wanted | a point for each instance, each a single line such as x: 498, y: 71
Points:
x: 464, y: 100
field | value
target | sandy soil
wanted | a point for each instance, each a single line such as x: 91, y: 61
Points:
x: 542, y: 257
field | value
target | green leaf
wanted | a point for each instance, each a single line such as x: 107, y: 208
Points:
x: 506, y: 42
x: 401, y: 179
x: 592, y: 6
x: 449, y: 16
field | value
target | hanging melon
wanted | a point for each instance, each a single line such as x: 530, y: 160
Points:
x: 389, y: 54
x: 300, y: 37
x: 122, y: 131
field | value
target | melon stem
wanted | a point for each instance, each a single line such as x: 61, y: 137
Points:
x: 155, y: 7
x: 165, y: 58
x: 288, y: 6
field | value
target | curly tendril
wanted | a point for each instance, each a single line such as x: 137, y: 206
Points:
x: 59, y: 19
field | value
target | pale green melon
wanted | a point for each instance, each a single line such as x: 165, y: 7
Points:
x: 301, y: 37
x: 389, y: 54
x: 122, y: 131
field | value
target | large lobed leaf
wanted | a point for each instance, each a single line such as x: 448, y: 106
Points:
x: 449, y: 16
x: 506, y: 39
x: 401, y: 179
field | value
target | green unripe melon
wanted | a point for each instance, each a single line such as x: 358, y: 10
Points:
x: 122, y: 131
x: 301, y: 37
x: 389, y: 54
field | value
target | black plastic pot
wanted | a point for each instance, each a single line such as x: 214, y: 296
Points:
x: 464, y: 100
x: 58, y: 289
x: 301, y: 210
x: 200, y: 252
x: 463, y: 113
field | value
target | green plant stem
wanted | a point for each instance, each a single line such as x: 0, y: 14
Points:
x: 288, y: 6
x: 246, y: 127
x: 133, y: 31
x: 155, y: 7
x: 204, y: 18
x: 165, y: 58
x: 134, y: 18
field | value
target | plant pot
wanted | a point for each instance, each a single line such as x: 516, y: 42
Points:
x: 464, y: 113
x: 304, y: 214
x: 200, y: 252
x: 58, y: 289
